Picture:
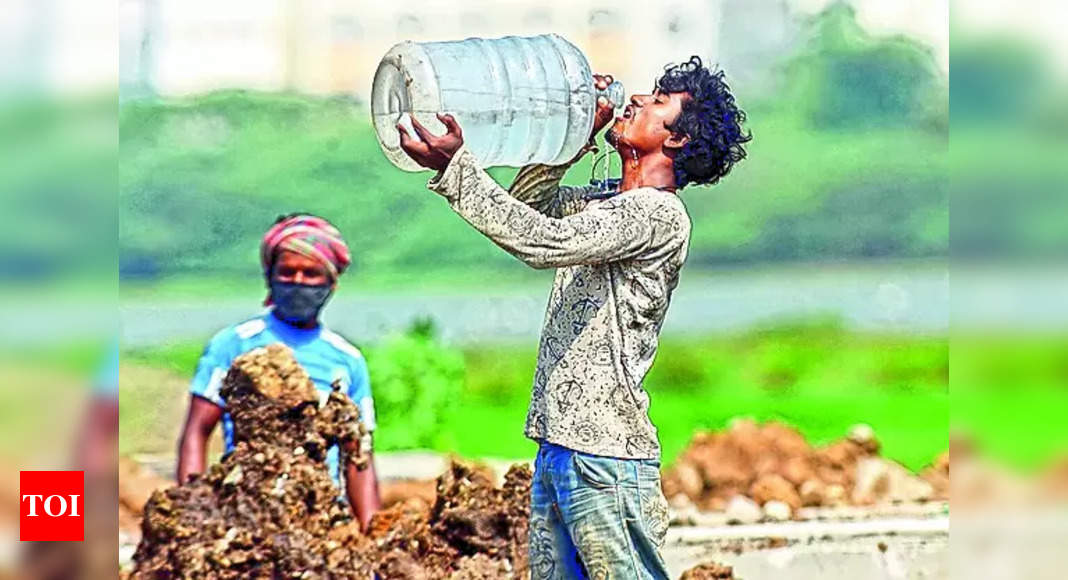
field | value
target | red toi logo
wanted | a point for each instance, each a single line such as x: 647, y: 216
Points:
x: 51, y: 506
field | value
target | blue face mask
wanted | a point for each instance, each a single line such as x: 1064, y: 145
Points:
x: 298, y: 302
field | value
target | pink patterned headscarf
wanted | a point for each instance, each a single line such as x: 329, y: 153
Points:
x: 310, y: 236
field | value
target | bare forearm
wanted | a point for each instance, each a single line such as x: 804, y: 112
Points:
x: 361, y: 488
x: 203, y: 416
x: 191, y: 456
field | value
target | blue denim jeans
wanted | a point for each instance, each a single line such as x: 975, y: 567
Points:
x: 596, y: 517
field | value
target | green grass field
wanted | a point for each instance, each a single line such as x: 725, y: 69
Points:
x: 1005, y: 392
x: 1010, y: 394
x: 815, y: 376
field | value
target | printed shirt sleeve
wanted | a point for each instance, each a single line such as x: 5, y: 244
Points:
x: 539, y: 187
x: 213, y: 366
x: 618, y: 229
x: 360, y: 392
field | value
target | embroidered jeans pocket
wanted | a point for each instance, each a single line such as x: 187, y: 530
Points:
x: 596, y: 471
x: 655, y: 514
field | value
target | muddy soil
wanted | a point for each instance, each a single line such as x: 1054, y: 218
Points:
x: 710, y: 571
x: 271, y: 510
x: 773, y: 462
x: 937, y: 474
x: 472, y: 530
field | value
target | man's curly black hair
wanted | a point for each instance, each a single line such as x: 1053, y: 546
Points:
x: 711, y: 119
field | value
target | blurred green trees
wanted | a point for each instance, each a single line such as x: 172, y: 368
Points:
x: 416, y: 383
x: 848, y: 162
x: 996, y: 80
x: 845, y: 79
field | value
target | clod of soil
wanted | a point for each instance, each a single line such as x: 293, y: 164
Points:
x: 772, y: 462
x: 774, y: 487
x: 393, y: 492
x: 473, y: 530
x: 271, y: 510
x: 709, y: 571
x: 937, y: 474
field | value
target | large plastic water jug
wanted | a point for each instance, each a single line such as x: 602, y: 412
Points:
x: 519, y: 100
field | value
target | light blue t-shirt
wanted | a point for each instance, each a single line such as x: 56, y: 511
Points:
x: 324, y: 354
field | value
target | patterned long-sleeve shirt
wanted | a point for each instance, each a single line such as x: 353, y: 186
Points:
x: 617, y: 260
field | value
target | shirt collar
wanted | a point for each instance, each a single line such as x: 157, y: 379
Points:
x: 289, y: 333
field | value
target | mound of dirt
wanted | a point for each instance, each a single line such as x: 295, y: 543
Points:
x: 472, y: 530
x: 1055, y: 481
x: 271, y: 510
x: 397, y: 491
x: 937, y: 474
x: 773, y: 462
x: 709, y: 571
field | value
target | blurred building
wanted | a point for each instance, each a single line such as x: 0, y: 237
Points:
x: 62, y: 47
x: 175, y: 47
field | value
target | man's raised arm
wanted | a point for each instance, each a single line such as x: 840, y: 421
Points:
x: 624, y: 227
x: 539, y: 187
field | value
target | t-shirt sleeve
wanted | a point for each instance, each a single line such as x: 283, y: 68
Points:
x: 212, y: 368
x: 360, y: 392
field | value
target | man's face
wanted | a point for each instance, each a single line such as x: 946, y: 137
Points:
x: 643, y: 126
x: 294, y: 268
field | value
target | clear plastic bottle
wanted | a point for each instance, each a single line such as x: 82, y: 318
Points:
x: 519, y: 100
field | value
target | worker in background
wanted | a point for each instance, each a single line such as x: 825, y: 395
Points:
x: 302, y: 258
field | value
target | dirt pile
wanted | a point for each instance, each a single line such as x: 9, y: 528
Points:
x: 396, y: 491
x: 937, y: 474
x: 472, y: 530
x: 1055, y: 481
x: 709, y: 571
x: 270, y: 508
x: 982, y: 482
x: 774, y: 464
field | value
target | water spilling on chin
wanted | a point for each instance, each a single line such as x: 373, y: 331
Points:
x: 612, y: 137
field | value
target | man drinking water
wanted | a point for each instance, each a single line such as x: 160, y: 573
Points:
x: 597, y: 509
